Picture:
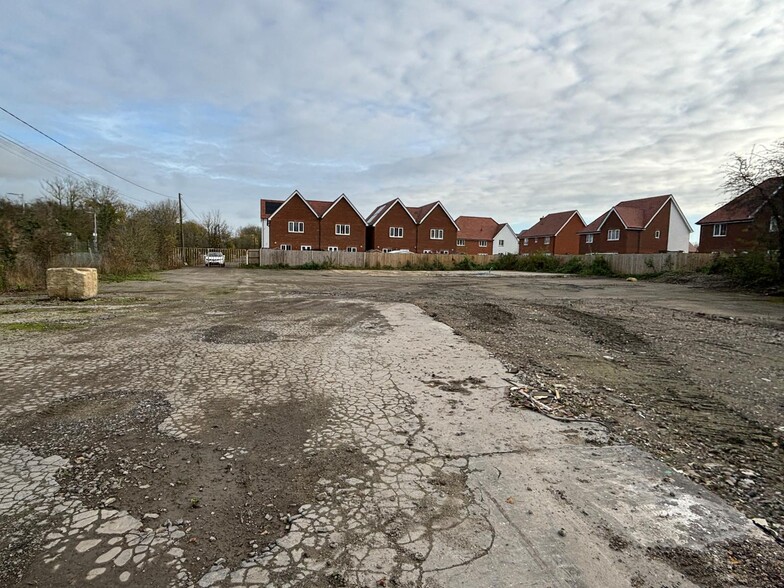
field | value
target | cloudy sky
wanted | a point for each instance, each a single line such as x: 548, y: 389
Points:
x: 510, y: 109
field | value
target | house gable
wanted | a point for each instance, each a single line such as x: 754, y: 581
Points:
x: 294, y: 196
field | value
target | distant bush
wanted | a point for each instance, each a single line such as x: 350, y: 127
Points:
x: 754, y: 270
x: 599, y: 266
x: 466, y: 264
x: 574, y: 265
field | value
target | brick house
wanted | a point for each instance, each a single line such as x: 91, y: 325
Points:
x: 482, y: 235
x: 391, y: 227
x: 436, y: 229
x: 554, y: 234
x: 297, y: 223
x: 746, y: 223
x: 645, y: 225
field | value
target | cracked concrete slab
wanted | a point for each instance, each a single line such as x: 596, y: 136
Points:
x: 445, y: 483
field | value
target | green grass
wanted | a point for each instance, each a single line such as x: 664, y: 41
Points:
x: 35, y: 327
x: 140, y: 277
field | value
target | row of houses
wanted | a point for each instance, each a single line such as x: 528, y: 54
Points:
x: 297, y: 223
x: 644, y: 225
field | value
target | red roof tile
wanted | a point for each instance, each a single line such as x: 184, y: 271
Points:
x: 747, y: 205
x: 319, y: 206
x: 477, y: 228
x: 548, y: 226
x: 419, y: 212
x: 635, y: 214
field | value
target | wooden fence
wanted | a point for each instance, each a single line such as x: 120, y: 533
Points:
x: 624, y: 264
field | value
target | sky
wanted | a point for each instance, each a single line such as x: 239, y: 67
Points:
x: 509, y: 109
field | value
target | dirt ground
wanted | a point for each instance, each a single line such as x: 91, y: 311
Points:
x: 204, y: 442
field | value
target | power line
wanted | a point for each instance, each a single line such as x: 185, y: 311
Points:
x: 51, y: 164
x: 195, y: 216
x: 98, y: 165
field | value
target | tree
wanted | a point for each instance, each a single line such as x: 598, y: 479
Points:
x: 218, y: 232
x: 247, y: 237
x: 745, y: 173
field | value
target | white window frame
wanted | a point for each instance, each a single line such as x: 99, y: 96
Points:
x: 483, y: 243
x: 657, y: 235
x: 525, y: 242
x: 342, y: 229
x: 285, y: 247
x: 351, y: 249
x: 305, y: 248
x: 774, y: 225
x: 547, y: 240
x: 296, y: 227
x: 396, y: 232
x: 589, y: 239
x: 332, y: 248
x: 613, y: 234
x: 436, y: 234
x: 461, y: 242
x: 720, y: 230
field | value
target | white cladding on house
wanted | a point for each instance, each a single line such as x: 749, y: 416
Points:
x: 505, y: 241
x: 679, y: 231
x: 265, y: 233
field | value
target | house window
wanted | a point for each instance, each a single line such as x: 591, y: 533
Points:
x: 332, y: 248
x: 461, y: 242
x: 305, y: 248
x: 296, y: 227
x: 525, y: 242
x: 500, y: 242
x: 437, y: 234
x: 614, y: 234
x: 396, y: 232
x: 286, y: 247
x: 483, y: 243
x: 657, y: 235
x: 774, y: 225
x: 547, y: 240
x: 589, y: 238
x: 720, y: 230
x: 342, y: 229
x: 351, y: 249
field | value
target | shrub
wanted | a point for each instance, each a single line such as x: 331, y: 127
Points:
x: 754, y: 270
x: 599, y: 266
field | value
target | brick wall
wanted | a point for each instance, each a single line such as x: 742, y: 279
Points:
x: 342, y: 214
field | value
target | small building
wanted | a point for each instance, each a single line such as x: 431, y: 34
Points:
x: 745, y: 223
x: 482, y: 235
x: 436, y: 229
x: 645, y: 225
x: 391, y: 228
x: 554, y: 234
x: 430, y: 228
x: 300, y: 224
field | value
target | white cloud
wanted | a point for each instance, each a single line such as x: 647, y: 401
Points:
x: 508, y: 109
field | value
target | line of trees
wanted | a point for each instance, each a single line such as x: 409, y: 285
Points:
x: 129, y: 239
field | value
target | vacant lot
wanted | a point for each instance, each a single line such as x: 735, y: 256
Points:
x: 243, y: 427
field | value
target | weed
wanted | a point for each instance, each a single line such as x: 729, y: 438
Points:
x: 35, y: 327
x: 138, y: 277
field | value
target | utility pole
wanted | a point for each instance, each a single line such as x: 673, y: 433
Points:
x: 182, y: 232
x: 95, y: 231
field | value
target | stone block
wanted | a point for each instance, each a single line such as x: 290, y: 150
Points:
x: 72, y: 283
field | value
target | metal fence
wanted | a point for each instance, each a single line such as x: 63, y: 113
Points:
x: 195, y: 256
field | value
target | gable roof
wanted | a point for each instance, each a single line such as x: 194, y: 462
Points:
x: 746, y: 206
x: 635, y: 215
x: 338, y: 199
x: 380, y: 210
x: 477, y: 228
x: 294, y: 194
x: 550, y: 225
x: 420, y: 213
x: 268, y: 207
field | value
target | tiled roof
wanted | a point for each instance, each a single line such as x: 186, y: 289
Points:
x: 319, y: 206
x: 548, y: 226
x: 379, y: 211
x: 635, y: 214
x: 269, y: 206
x: 745, y: 206
x: 477, y: 228
x: 420, y: 212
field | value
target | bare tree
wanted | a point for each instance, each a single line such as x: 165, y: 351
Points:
x: 218, y: 232
x: 748, y: 173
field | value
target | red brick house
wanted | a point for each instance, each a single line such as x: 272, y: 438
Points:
x: 746, y: 223
x: 476, y: 234
x: 554, y: 234
x: 645, y: 225
x: 436, y: 229
x: 391, y: 227
x: 297, y: 223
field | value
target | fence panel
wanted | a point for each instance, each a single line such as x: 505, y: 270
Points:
x: 195, y: 255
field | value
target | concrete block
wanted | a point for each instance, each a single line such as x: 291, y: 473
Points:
x: 72, y: 283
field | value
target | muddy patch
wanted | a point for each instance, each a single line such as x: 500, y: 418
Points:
x: 234, y: 488
x: 236, y: 335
